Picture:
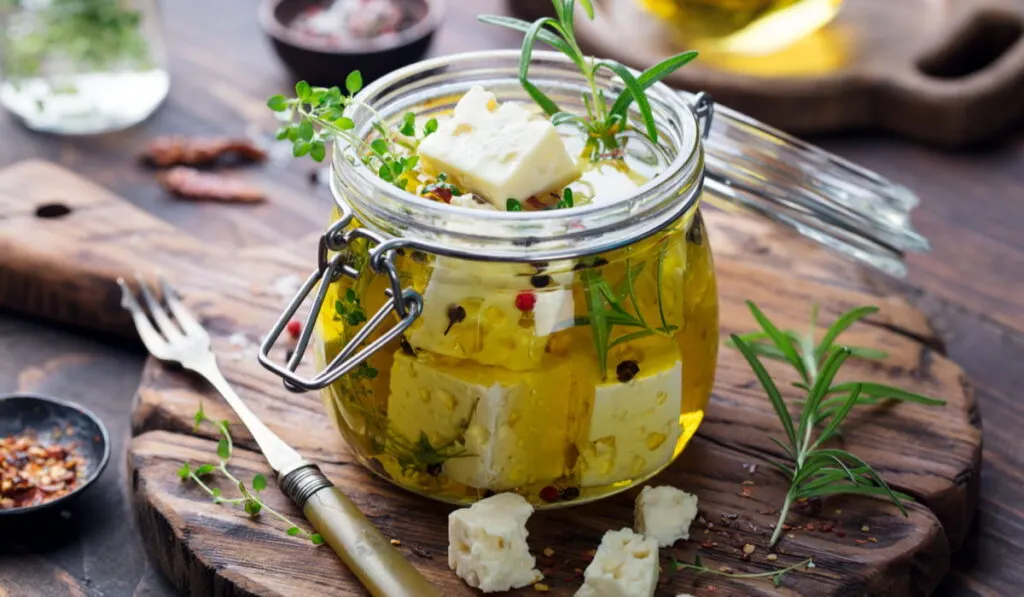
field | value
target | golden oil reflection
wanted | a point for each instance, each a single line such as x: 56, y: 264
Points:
x: 769, y: 38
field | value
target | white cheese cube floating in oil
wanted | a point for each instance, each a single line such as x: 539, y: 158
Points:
x: 513, y: 426
x: 493, y: 313
x: 625, y: 565
x: 487, y: 544
x: 498, y: 151
x: 634, y: 419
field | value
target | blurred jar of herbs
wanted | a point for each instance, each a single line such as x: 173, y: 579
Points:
x: 78, y: 67
x: 743, y: 27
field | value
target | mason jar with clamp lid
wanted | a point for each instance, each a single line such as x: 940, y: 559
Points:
x: 564, y: 354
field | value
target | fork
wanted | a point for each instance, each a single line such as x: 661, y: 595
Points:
x: 178, y: 337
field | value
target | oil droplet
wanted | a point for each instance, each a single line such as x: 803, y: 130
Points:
x: 654, y: 440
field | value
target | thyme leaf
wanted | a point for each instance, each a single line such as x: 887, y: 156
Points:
x: 816, y: 471
x: 776, y: 575
x: 249, y: 498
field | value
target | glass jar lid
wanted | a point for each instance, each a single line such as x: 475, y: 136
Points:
x: 822, y: 196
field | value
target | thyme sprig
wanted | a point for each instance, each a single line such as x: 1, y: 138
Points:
x: 814, y: 470
x: 604, y: 119
x: 776, y: 575
x: 249, y: 500
x: 316, y: 115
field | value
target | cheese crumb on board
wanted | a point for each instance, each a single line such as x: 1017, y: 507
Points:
x: 625, y: 565
x: 498, y: 151
x: 664, y: 514
x: 487, y: 544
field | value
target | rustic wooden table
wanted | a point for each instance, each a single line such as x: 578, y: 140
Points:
x: 971, y: 285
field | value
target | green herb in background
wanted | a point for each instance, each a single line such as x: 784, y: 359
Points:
x: 91, y: 35
x: 249, y: 500
x: 814, y: 470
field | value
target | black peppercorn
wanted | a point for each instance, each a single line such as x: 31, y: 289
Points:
x: 540, y: 280
x: 419, y: 256
x: 570, y: 493
x: 627, y: 370
x: 456, y: 314
x: 695, y: 235
x: 434, y: 469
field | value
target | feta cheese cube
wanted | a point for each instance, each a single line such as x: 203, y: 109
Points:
x: 492, y: 331
x: 487, y: 544
x: 498, y: 152
x: 625, y: 565
x: 664, y: 514
x: 634, y: 426
x: 515, y: 426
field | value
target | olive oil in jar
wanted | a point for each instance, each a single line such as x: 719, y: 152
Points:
x: 743, y: 26
x: 561, y: 381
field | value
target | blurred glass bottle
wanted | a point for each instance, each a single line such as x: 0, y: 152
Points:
x: 81, y: 66
x: 751, y: 27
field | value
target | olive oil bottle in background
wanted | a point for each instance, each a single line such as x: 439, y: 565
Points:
x: 743, y: 27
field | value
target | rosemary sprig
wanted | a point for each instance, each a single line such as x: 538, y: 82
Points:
x: 776, y: 575
x: 604, y: 119
x: 607, y: 308
x: 316, y: 116
x: 249, y: 500
x: 816, y: 471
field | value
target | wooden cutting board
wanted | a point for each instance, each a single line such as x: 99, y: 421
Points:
x: 61, y: 263
x: 946, y: 72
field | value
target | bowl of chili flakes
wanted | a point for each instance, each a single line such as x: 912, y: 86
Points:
x: 50, y: 452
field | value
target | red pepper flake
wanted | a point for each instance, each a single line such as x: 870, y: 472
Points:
x: 294, y: 328
x: 810, y: 526
x: 711, y: 588
x: 525, y: 301
x: 840, y: 534
x: 827, y: 527
x: 860, y: 541
x: 32, y: 474
x: 746, y: 492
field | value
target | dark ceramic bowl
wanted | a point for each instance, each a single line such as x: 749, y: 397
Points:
x: 20, y: 413
x: 325, y: 63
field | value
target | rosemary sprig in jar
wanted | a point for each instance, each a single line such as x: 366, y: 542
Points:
x: 814, y: 470
x: 604, y: 120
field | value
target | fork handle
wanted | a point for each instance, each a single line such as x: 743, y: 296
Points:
x: 381, y: 568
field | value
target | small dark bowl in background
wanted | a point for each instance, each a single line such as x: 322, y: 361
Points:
x: 41, y: 414
x: 321, y: 62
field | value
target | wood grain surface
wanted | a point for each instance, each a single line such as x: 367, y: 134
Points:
x: 971, y: 286
x: 64, y: 269
x: 944, y: 72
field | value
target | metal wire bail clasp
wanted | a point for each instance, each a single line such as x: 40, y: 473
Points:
x: 406, y: 303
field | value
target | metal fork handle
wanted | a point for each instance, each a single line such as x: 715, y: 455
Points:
x: 282, y: 457
x: 378, y: 565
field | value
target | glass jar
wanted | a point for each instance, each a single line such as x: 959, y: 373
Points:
x: 565, y: 355
x: 81, y: 66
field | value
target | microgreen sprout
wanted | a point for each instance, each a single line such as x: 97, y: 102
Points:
x: 513, y: 204
x: 814, y: 470
x: 249, y: 500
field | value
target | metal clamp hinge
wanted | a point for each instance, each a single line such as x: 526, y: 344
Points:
x: 406, y: 303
